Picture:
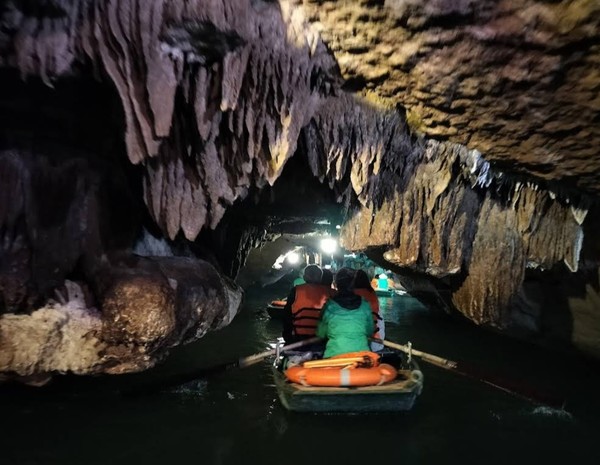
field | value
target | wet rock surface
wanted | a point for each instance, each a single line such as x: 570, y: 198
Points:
x: 147, y: 308
x: 151, y: 304
x: 515, y: 79
x: 139, y: 307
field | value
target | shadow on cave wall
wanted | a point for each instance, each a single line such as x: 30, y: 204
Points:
x: 68, y: 195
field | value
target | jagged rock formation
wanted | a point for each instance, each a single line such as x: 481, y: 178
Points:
x: 227, y: 83
x: 515, y: 79
x: 441, y: 226
x: 208, y: 100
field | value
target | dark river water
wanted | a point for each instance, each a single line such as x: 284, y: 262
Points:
x: 235, y: 417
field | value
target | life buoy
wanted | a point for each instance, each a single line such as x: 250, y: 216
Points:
x: 342, y: 376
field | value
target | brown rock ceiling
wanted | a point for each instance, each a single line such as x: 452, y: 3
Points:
x: 518, y: 80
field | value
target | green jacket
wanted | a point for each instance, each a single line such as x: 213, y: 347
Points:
x: 298, y: 282
x: 346, y: 330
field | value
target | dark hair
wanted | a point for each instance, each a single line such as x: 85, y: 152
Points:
x: 344, y: 278
x: 361, y: 280
x: 313, y: 274
x: 327, y: 277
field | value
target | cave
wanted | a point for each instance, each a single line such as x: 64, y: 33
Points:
x: 158, y: 157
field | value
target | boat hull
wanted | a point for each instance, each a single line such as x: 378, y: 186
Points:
x: 396, y: 396
x: 275, y: 312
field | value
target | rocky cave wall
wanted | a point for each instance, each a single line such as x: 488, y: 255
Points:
x: 214, y: 97
x: 515, y: 79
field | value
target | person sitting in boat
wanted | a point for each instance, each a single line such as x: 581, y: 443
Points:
x: 362, y: 287
x: 303, y: 308
x: 346, y: 321
x: 327, y: 278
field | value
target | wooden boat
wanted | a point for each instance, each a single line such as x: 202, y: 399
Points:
x: 275, y: 309
x: 397, y: 395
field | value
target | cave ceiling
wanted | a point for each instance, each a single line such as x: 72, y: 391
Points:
x: 517, y: 80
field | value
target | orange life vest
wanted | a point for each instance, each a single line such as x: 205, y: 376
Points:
x: 307, y: 306
x: 371, y: 297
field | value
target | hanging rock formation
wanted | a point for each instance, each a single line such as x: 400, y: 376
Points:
x: 515, y: 79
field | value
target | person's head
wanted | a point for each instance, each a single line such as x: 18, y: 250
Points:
x: 361, y: 280
x: 344, y: 279
x: 313, y: 274
x: 327, y: 278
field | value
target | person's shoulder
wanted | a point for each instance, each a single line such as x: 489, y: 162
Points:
x: 327, y: 309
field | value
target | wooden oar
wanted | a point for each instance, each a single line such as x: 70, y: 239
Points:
x: 333, y: 362
x: 203, y: 372
x: 511, y: 387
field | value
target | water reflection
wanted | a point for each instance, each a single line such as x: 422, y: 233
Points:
x: 400, y: 309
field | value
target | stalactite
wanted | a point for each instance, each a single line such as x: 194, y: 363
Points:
x: 256, y: 73
x: 441, y: 226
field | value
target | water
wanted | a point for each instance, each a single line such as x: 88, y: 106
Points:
x: 235, y: 417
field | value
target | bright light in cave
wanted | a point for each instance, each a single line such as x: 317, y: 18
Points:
x: 293, y: 257
x: 328, y: 245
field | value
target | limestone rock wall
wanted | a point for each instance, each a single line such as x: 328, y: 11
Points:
x: 148, y: 306
x: 441, y: 209
x: 214, y: 93
x: 443, y: 226
x: 54, y: 217
x: 63, y: 336
x: 515, y: 79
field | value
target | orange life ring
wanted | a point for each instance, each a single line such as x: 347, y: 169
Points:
x: 338, y: 376
x: 278, y: 303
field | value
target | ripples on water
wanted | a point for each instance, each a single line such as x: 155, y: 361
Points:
x: 235, y: 417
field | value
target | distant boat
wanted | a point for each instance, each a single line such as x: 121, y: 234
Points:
x: 394, y: 396
x: 386, y: 287
x: 384, y: 292
x: 275, y: 309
